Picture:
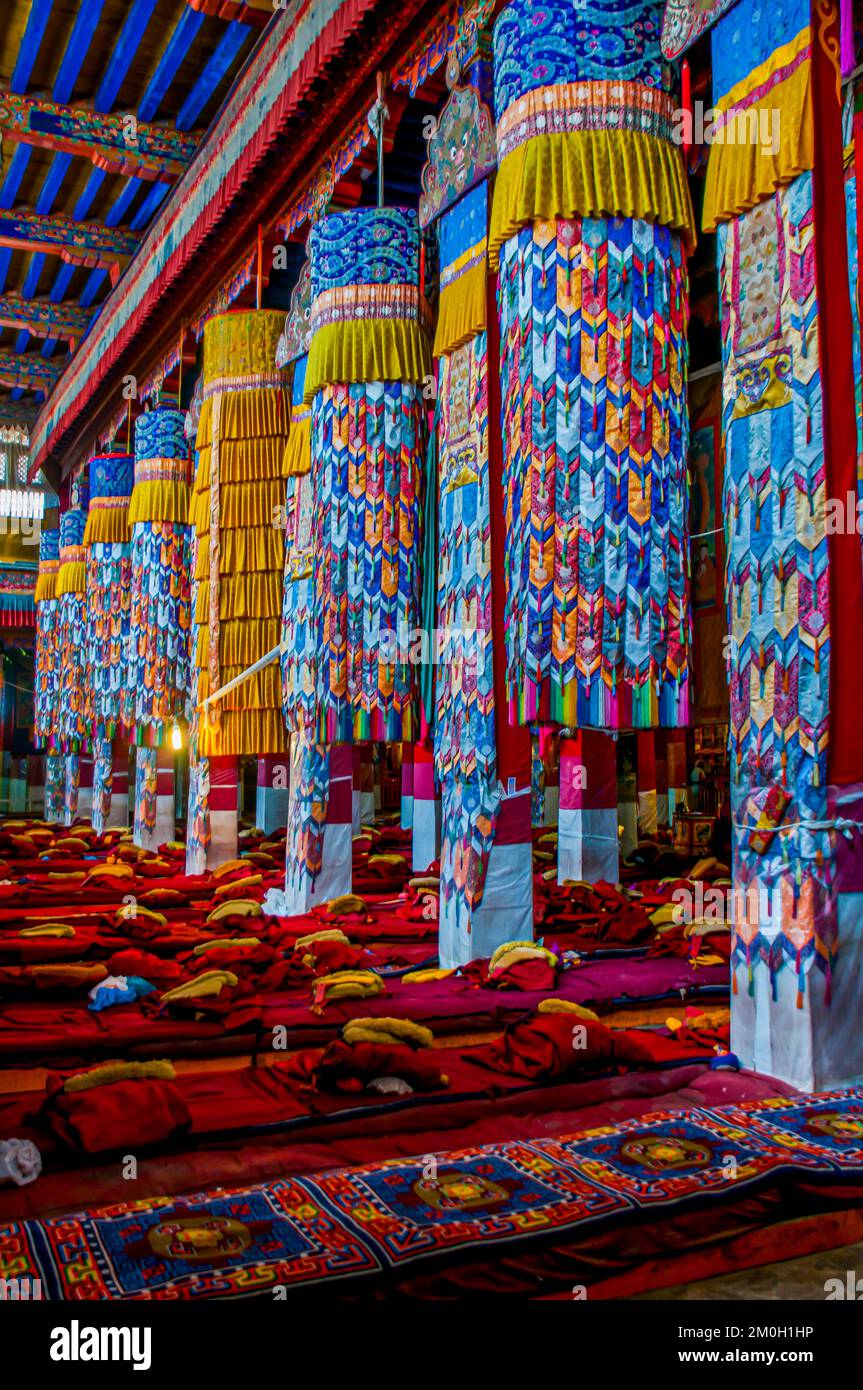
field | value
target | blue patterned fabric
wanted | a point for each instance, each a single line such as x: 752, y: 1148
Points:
x: 747, y: 35
x: 49, y: 544
x: 111, y: 475
x: 72, y: 526
x: 541, y: 43
x: 161, y: 434
x: 366, y: 246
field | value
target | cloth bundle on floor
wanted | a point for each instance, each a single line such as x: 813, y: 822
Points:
x: 235, y: 510
x: 70, y: 713
x: 368, y: 357
x: 161, y: 582
x: 590, y: 221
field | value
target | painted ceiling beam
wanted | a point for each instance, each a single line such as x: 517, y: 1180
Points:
x: 44, y: 319
x: 29, y: 371
x: 255, y: 12
x: 119, y: 144
x: 76, y: 243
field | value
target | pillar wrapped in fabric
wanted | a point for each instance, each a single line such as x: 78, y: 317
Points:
x: 310, y: 853
x: 46, y: 685
x: 161, y: 580
x: 46, y: 682
x: 71, y: 724
x: 108, y: 539
x: 236, y: 508
x: 792, y: 575
x: 369, y: 354
x: 591, y: 220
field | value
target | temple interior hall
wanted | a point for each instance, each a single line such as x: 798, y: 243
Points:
x: 431, y: 644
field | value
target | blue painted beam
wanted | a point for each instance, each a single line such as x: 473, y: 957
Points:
x: 126, y: 47
x: 31, y: 42
x: 76, y: 49
x: 216, y: 68
x: 169, y: 64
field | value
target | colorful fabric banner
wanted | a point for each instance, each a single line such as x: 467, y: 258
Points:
x: 593, y: 318
x: 46, y: 675
x: 236, y: 511
x: 369, y: 356
x: 109, y: 589
x: 777, y: 583
x: 70, y: 716
x: 160, y: 620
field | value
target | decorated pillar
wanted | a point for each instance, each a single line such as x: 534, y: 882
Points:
x: 47, y: 663
x: 70, y: 716
x: 661, y: 756
x: 486, y: 898
x: 406, y: 818
x: 591, y: 220
x: 272, y: 792
x: 108, y: 540
x: 160, y: 611
x: 236, y: 513
x: 794, y: 591
x: 311, y: 853
x: 368, y: 358
x: 426, y: 831
x: 318, y: 865
x: 118, y: 812
x: 645, y: 781
x: 587, y: 839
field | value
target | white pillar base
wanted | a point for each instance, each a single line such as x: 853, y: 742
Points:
x: 587, y: 846
x: 648, y: 816
x: 425, y: 845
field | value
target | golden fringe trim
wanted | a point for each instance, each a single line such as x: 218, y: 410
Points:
x: 242, y: 461
x: 241, y: 642
x: 242, y: 505
x: 243, y: 596
x: 367, y: 350
x: 160, y: 500
x: 72, y: 578
x: 247, y: 415
x: 120, y: 1071
x: 46, y: 587
x: 252, y: 551
x: 743, y: 174
x: 297, y: 459
x: 243, y: 732
x: 590, y: 173
x: 263, y: 690
x: 108, y: 526
x: 462, y: 312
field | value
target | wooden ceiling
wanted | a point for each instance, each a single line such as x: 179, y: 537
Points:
x: 98, y: 101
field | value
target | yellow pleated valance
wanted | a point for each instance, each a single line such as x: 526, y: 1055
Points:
x: 367, y: 350
x: 763, y: 133
x: 590, y: 173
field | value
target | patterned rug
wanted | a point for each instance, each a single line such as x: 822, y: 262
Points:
x: 386, y: 1222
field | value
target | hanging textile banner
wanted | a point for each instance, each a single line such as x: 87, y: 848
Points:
x: 590, y: 222
x: 161, y: 586
x: 46, y: 686
x: 108, y: 540
x: 763, y: 128
x: 236, y: 512
x: 369, y: 356
x: 299, y: 638
x: 69, y: 720
x: 685, y: 21
x: 775, y: 516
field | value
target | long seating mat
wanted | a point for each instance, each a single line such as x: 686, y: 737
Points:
x: 62, y: 1032
x: 529, y: 1217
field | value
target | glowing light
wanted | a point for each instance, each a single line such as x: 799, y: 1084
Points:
x: 176, y: 737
